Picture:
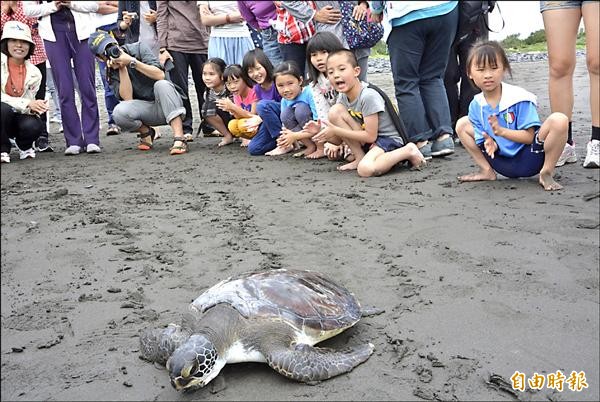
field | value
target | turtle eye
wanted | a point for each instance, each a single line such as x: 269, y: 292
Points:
x: 188, y: 370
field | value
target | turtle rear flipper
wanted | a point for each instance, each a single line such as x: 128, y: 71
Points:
x: 311, y: 364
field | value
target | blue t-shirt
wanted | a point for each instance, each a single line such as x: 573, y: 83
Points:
x: 304, y: 96
x: 516, y: 110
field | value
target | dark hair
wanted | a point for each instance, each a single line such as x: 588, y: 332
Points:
x: 255, y: 56
x: 487, y: 52
x: 235, y: 71
x: 288, y: 67
x: 219, y: 64
x: 349, y: 54
x: 321, y: 42
x: 4, y: 48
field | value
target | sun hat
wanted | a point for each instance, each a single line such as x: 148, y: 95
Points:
x: 17, y: 30
x: 99, y: 40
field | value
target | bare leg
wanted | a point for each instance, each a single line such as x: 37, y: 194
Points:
x: 591, y: 17
x: 179, y: 147
x: 465, y: 132
x: 377, y: 162
x: 554, y: 135
x: 319, y: 152
x: 358, y: 153
x: 339, y: 116
x: 561, y: 34
x: 218, y: 123
x: 309, y: 148
x: 280, y: 151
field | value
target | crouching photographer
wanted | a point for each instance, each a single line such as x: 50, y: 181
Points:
x: 147, y: 98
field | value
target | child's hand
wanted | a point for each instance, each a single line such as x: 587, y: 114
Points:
x: 325, y: 134
x: 252, y: 123
x: 490, y: 145
x: 224, y: 104
x: 312, y: 126
x: 286, y: 139
x: 496, y: 127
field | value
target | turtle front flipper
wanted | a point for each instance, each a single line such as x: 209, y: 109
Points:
x: 156, y: 345
x: 311, y: 364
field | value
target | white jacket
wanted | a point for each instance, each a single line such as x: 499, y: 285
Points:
x: 33, y: 80
x: 84, y: 13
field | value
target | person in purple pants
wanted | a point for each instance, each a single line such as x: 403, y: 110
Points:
x: 65, y: 27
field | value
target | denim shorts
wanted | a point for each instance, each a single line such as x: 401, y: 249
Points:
x: 560, y: 5
x: 526, y: 163
x: 386, y: 143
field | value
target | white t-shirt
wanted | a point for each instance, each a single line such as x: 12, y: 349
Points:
x: 232, y: 30
x: 106, y: 19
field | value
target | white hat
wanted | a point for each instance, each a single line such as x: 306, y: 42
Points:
x: 16, y: 30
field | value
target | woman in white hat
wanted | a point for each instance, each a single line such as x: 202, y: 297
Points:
x: 20, y: 81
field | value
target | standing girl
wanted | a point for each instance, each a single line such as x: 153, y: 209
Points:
x: 229, y: 35
x: 212, y: 75
x: 244, y: 102
x: 297, y: 109
x: 323, y: 93
x: 503, y: 132
x: 65, y: 28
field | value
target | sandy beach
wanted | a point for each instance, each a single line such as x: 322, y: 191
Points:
x: 477, y: 280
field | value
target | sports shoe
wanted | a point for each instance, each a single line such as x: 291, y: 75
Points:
x: 73, y: 150
x: 426, y: 150
x: 28, y: 153
x: 568, y: 155
x: 592, y: 158
x: 93, y: 149
x: 443, y: 147
x: 113, y: 129
x: 5, y: 157
x: 42, y: 145
x: 189, y: 137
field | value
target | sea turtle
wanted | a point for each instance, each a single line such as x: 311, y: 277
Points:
x: 273, y: 317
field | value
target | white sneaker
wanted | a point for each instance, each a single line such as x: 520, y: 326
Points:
x: 93, y: 149
x: 73, y: 150
x: 5, y: 157
x: 568, y: 155
x: 592, y: 158
x: 28, y: 153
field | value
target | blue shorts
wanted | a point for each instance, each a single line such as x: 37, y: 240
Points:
x: 386, y: 143
x: 560, y: 5
x: 526, y: 163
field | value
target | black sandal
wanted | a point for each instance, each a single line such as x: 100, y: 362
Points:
x: 144, y: 145
x: 179, y: 149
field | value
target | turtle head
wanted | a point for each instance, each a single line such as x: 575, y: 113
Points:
x: 194, y: 364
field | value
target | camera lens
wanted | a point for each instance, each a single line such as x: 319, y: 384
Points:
x: 113, y: 52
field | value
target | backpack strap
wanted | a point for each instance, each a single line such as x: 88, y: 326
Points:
x: 391, y: 109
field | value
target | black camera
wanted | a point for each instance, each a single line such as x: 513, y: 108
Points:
x: 112, y: 52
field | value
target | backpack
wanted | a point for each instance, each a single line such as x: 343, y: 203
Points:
x: 393, y: 112
x: 470, y: 13
x: 359, y: 34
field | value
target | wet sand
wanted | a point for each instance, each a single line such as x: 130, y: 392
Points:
x: 477, y: 280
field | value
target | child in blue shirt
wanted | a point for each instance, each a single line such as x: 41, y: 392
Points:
x: 503, y: 132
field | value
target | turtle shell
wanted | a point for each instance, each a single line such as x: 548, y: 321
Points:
x: 312, y: 304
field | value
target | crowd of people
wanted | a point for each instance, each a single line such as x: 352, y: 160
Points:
x: 291, y: 77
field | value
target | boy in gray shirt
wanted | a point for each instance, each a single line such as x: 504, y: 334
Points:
x: 361, y: 120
